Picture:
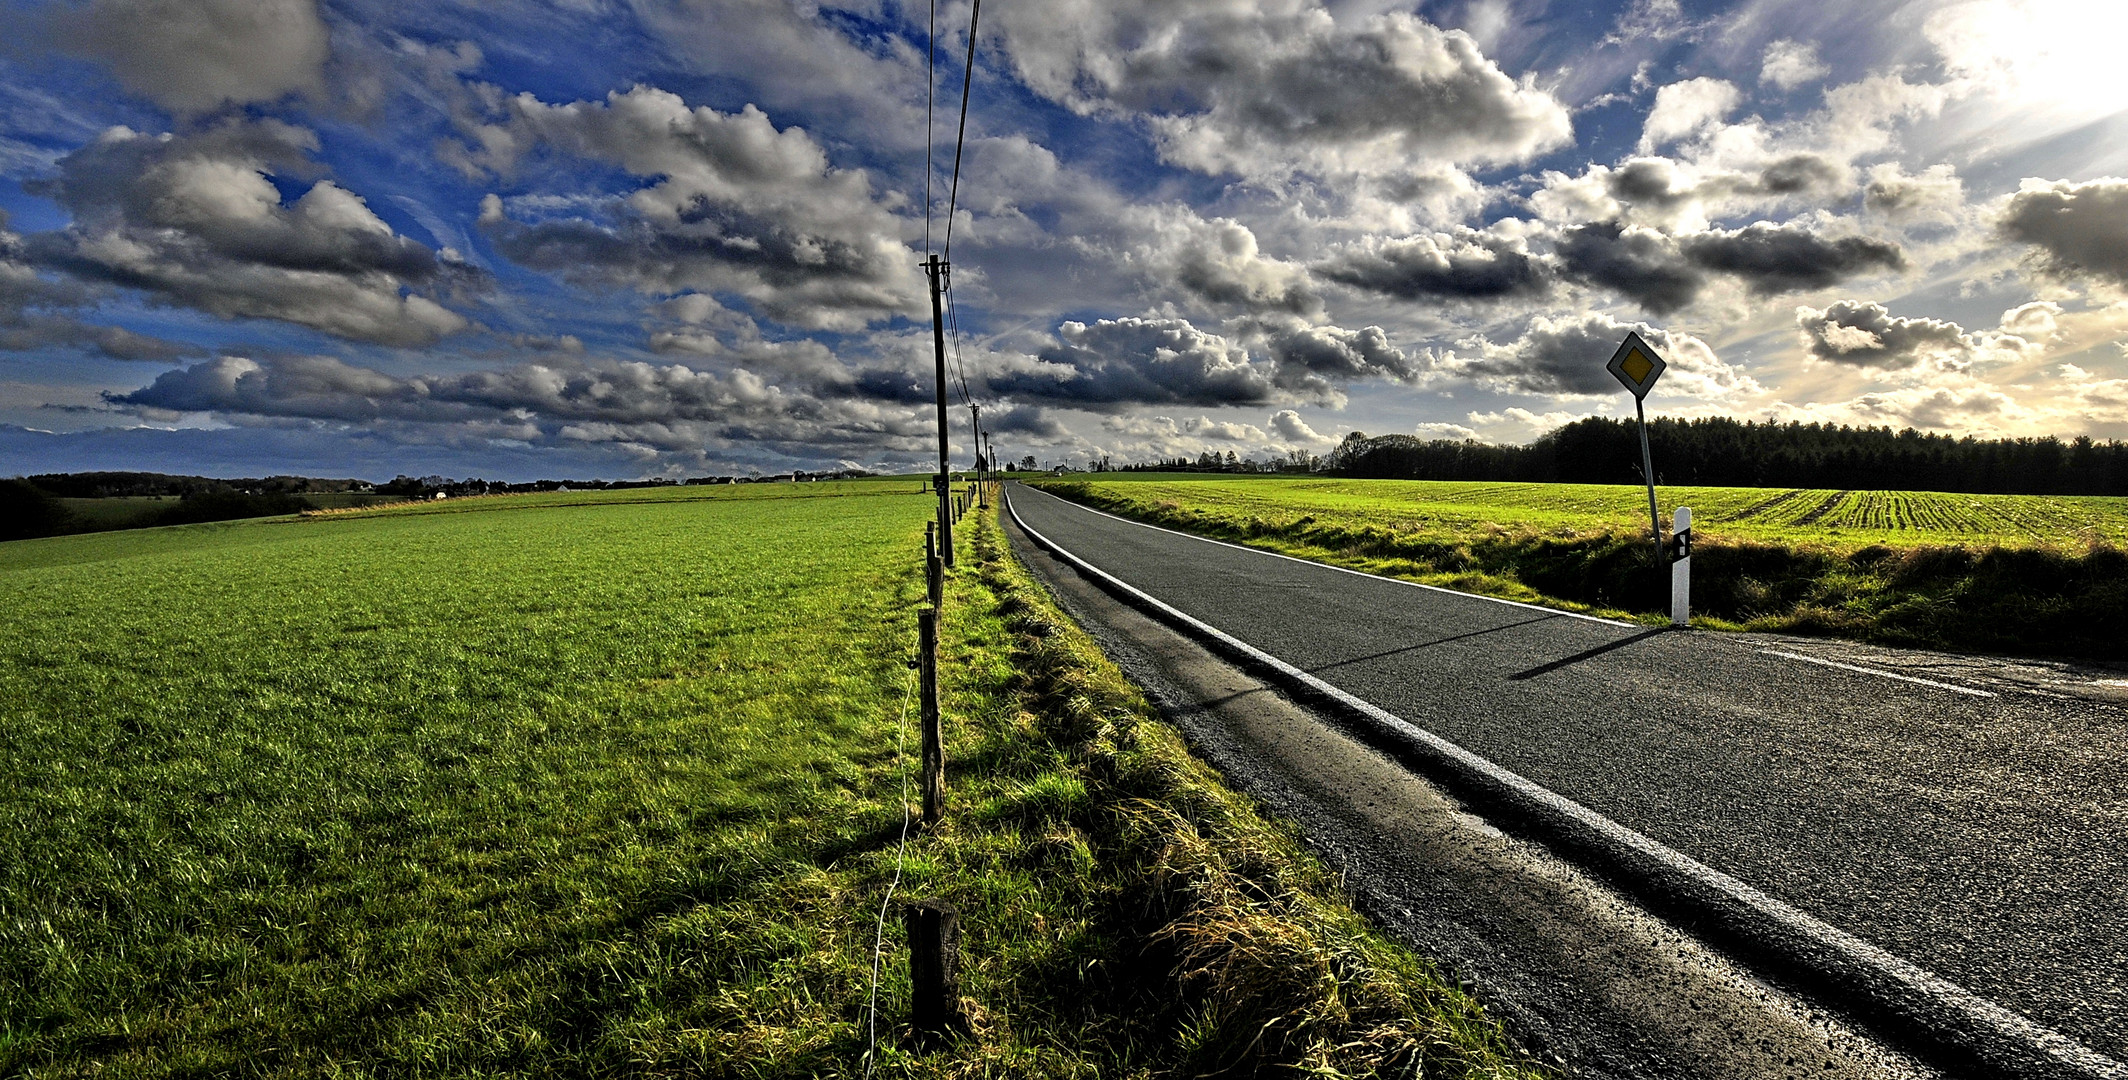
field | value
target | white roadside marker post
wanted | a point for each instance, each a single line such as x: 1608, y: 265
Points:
x: 1681, y: 569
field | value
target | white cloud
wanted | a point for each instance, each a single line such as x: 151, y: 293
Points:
x: 1790, y: 64
x: 1284, y: 88
x: 1288, y: 425
x: 1565, y: 357
x: 1686, y: 108
x: 738, y: 207
x: 195, y: 220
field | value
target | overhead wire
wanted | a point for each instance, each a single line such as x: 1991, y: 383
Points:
x: 975, y: 13
x: 953, y: 193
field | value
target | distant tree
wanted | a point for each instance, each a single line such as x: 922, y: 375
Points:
x: 27, y: 510
x: 1028, y: 463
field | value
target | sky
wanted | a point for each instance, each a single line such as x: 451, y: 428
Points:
x: 619, y: 240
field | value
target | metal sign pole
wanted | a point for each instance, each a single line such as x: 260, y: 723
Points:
x: 1647, y: 472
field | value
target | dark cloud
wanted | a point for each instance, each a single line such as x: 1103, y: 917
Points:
x: 1437, y: 267
x: 1641, y: 264
x: 36, y: 330
x: 1663, y: 273
x: 1784, y: 258
x: 2079, y: 229
x: 196, y: 56
x: 194, y: 220
x: 657, y: 408
x: 1799, y: 174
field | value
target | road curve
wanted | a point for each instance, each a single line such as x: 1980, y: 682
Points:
x: 1974, y: 833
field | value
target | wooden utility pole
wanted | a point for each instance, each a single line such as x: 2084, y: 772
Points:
x: 975, y: 424
x: 936, y: 268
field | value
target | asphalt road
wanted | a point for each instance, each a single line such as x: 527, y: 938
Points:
x: 1978, y: 833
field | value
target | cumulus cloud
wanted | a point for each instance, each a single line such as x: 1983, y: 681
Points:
x: 1641, y: 264
x: 738, y: 208
x: 1787, y: 258
x: 1315, y: 362
x: 1790, y: 64
x: 1566, y: 357
x: 658, y: 407
x: 1115, y: 362
x: 1663, y: 273
x: 1269, y: 91
x: 1466, y: 265
x: 1685, y: 108
x: 1864, y: 334
x: 1217, y: 260
x: 196, y: 56
x: 1930, y: 194
x: 195, y: 220
x: 2079, y: 229
x: 1289, y: 426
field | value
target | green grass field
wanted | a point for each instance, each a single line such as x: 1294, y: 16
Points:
x: 607, y: 784
x: 1844, y: 520
x: 2013, y: 573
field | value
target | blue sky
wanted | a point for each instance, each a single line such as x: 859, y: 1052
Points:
x: 675, y: 238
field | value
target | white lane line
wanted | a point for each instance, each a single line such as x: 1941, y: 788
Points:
x: 1342, y: 569
x: 1952, y: 687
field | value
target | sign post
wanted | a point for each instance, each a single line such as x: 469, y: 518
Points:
x: 1681, y: 568
x: 1638, y: 365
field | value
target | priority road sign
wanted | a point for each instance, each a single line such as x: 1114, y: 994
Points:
x: 1637, y: 365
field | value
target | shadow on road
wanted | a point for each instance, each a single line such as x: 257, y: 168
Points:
x: 1588, y: 654
x: 1428, y: 644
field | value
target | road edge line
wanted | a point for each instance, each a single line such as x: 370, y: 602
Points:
x: 1959, y: 1029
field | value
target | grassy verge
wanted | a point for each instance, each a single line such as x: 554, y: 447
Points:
x: 2032, y: 597
x: 604, y: 787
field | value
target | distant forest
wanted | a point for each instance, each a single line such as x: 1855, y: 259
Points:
x: 1722, y: 452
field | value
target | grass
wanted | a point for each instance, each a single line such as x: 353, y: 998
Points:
x: 607, y: 784
x: 1997, y: 573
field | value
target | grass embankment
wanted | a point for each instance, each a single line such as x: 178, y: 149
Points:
x: 610, y: 786
x: 1994, y: 573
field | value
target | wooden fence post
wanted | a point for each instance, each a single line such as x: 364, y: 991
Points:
x: 934, y: 928
x: 934, y: 760
x: 934, y: 569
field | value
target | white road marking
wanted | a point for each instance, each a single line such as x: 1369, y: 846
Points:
x: 1952, y: 687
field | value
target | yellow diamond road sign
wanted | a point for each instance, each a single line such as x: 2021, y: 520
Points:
x: 1636, y: 365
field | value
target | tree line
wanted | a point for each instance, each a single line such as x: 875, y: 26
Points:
x: 1723, y: 452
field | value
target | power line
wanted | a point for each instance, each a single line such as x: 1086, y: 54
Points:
x: 975, y: 13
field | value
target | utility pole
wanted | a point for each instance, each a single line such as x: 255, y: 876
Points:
x: 975, y: 424
x: 936, y: 268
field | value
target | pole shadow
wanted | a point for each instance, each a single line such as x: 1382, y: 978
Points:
x: 1586, y: 654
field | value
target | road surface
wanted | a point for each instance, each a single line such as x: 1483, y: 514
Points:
x: 1966, y: 825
